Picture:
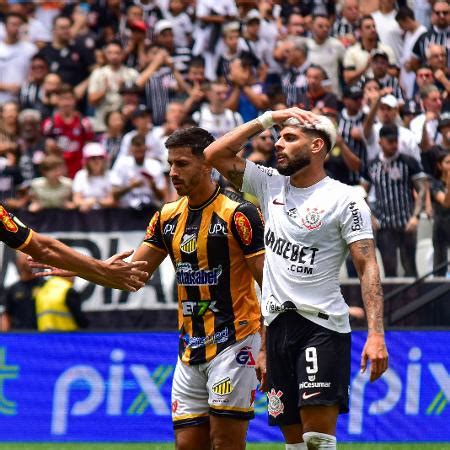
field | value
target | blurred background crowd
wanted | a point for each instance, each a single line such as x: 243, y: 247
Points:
x: 90, y: 90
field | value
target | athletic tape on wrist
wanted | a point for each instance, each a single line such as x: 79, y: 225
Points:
x: 266, y: 120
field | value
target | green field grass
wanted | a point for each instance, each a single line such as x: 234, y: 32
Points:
x: 267, y: 446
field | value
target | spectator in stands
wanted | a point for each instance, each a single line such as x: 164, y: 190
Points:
x: 317, y: 97
x: 396, y: 211
x: 424, y: 77
x: 9, y: 127
x: 105, y: 84
x: 136, y: 42
x: 67, y: 131
x: 111, y: 140
x: 64, y: 58
x: 440, y: 189
x: 438, y: 33
x: 326, y: 51
x: 429, y: 158
x: 263, y: 150
x: 92, y: 188
x: 138, y: 179
x: 410, y: 110
x: 388, y: 29
x: 413, y: 30
x: 181, y: 22
x: 357, y: 57
x: 425, y: 125
x: 174, y: 120
x: 30, y: 92
x: 58, y: 306
x: 53, y: 189
x: 31, y: 143
x: 345, y: 26
x: 231, y: 35
x: 437, y: 61
x: 12, y: 194
x: 195, y: 84
x: 131, y: 96
x: 213, y: 116
x: 143, y: 126
x: 15, y: 55
x: 18, y: 300
x: 293, y: 79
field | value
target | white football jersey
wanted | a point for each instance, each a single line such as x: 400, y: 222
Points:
x: 307, y: 233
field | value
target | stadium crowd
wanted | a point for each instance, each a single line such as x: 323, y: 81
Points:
x: 90, y: 91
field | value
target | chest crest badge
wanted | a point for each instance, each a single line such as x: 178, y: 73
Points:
x: 188, y: 243
x: 312, y: 220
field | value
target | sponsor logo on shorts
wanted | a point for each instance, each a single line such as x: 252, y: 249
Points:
x: 187, y: 276
x: 151, y: 226
x: 319, y: 384
x: 312, y: 220
x: 243, y: 228
x: 245, y: 358
x: 188, y: 243
x: 305, y: 396
x: 196, y: 342
x: 7, y: 221
x: 174, y: 406
x: 223, y: 387
x: 275, y: 406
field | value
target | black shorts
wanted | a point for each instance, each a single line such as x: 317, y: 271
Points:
x: 306, y: 365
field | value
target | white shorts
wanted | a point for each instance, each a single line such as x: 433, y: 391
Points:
x: 224, y: 386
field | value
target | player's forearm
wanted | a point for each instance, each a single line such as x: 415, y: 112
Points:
x: 372, y: 294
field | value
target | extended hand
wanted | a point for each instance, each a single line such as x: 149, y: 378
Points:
x: 375, y: 351
x: 48, y: 270
x: 126, y: 276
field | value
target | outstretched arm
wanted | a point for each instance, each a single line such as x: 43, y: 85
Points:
x: 114, y: 273
x: 364, y: 259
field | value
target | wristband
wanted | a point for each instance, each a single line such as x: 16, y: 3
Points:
x: 266, y: 120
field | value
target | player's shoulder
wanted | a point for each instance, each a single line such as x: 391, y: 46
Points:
x: 173, y: 208
x: 341, y: 192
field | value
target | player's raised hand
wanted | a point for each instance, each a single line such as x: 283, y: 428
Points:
x: 376, y: 352
x: 303, y: 116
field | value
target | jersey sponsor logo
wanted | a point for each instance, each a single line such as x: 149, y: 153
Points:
x: 305, y: 396
x: 357, y: 220
x: 169, y: 228
x: 198, y: 307
x: 274, y: 306
x: 318, y: 384
x: 151, y: 226
x: 219, y: 337
x: 275, y: 406
x: 188, y: 243
x: 291, y: 252
x: 223, y: 387
x: 267, y: 170
x: 292, y: 213
x: 312, y: 220
x: 245, y: 357
x: 187, y: 276
x: 7, y: 221
x: 217, y: 229
x: 243, y: 227
x: 277, y: 202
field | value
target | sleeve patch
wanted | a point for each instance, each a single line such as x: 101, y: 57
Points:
x: 151, y: 226
x: 7, y: 221
x: 243, y: 228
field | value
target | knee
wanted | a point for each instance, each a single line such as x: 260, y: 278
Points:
x: 319, y: 441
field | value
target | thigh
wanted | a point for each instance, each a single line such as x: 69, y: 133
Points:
x: 189, y: 396
x: 228, y: 433
x: 231, y: 380
x: 193, y: 437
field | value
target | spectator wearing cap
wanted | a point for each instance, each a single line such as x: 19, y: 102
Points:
x: 143, y: 126
x: 293, y: 78
x: 64, y: 58
x: 379, y: 65
x: 317, y: 96
x: 138, y: 180
x: 92, y: 188
x: 181, y: 23
x: 105, y: 84
x: 438, y: 33
x: 430, y: 157
x: 396, y: 210
x: 413, y: 30
x: 15, y: 56
x: 388, y: 29
x: 136, y: 42
x: 425, y: 125
x: 410, y: 110
x: 160, y: 80
x: 164, y: 38
x: 151, y: 11
x: 350, y: 123
x: 385, y: 108
x: 326, y: 51
x: 357, y: 57
x: 345, y: 26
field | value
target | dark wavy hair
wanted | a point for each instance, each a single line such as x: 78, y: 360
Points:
x: 196, y: 138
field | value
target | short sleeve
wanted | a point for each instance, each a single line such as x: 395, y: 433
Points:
x: 256, y: 178
x: 153, y: 236
x: 247, y: 226
x: 355, y: 220
x: 12, y: 231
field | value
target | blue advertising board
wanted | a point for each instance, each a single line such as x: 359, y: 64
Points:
x: 116, y: 387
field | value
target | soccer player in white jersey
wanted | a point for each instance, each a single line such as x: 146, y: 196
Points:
x: 312, y: 221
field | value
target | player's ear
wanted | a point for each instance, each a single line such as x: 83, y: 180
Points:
x: 317, y: 145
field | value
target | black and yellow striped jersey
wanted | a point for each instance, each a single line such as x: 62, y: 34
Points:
x: 208, y: 245
x: 12, y: 231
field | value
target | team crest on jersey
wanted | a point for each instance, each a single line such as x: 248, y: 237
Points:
x: 275, y: 406
x: 188, y: 243
x: 312, y: 219
x: 223, y: 387
x: 243, y: 227
x: 151, y: 226
x: 9, y: 223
